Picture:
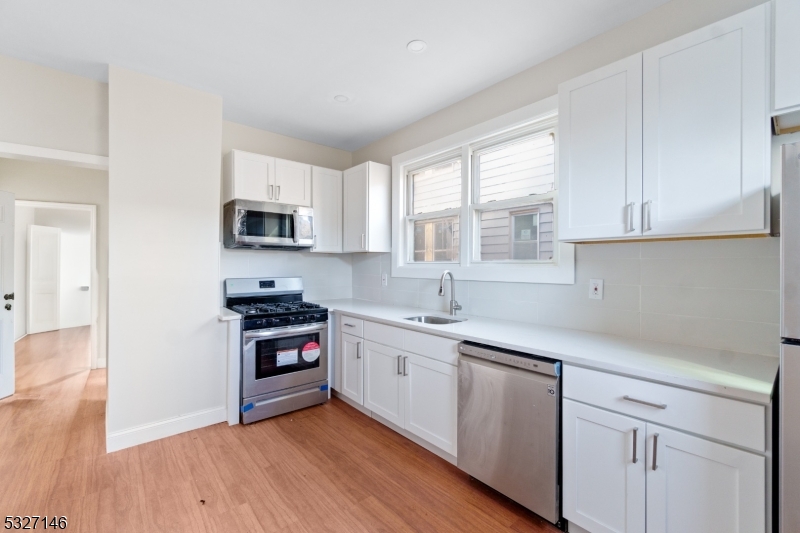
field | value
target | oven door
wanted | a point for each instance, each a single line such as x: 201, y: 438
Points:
x: 268, y: 225
x: 280, y: 358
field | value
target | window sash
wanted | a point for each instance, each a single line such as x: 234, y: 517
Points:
x: 433, y: 189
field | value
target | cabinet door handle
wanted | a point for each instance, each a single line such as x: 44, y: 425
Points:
x: 399, y: 362
x: 644, y: 402
x: 358, y: 350
x: 362, y: 241
x: 635, y: 434
x: 629, y: 218
x: 655, y: 451
x: 405, y: 365
x: 271, y: 190
x: 278, y: 191
x: 647, y: 205
x: 349, y: 325
x: 314, y: 243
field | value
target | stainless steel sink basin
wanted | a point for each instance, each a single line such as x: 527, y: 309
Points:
x: 430, y: 319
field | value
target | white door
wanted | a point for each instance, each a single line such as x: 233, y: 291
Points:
x: 603, y: 469
x: 292, y: 183
x: 383, y: 385
x: 326, y: 199
x: 600, y: 153
x: 44, y: 275
x: 697, y: 486
x: 253, y: 176
x: 7, y: 288
x: 352, y: 368
x: 706, y: 129
x: 431, y: 400
x: 355, y: 209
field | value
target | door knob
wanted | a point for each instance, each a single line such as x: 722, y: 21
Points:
x: 8, y: 296
x: 8, y: 307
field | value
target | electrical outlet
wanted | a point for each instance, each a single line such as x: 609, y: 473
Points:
x: 385, y: 279
x: 596, y: 289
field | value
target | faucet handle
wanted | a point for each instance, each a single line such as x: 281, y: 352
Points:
x: 456, y: 305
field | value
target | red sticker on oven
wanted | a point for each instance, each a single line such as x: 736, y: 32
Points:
x: 310, y: 352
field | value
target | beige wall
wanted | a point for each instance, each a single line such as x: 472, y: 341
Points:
x: 240, y: 137
x: 167, y: 349
x: 44, y: 107
x: 47, y: 182
x: 663, y: 23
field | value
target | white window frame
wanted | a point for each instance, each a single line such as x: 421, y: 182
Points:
x: 561, y: 270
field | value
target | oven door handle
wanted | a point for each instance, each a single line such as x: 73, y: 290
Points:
x: 288, y: 332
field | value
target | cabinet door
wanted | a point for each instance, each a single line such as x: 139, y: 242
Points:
x: 253, y: 175
x: 603, y: 488
x: 600, y: 153
x: 787, y: 58
x: 292, y: 183
x: 383, y: 373
x: 326, y: 199
x: 697, y: 486
x: 352, y: 363
x: 355, y: 209
x: 431, y: 399
x: 706, y: 136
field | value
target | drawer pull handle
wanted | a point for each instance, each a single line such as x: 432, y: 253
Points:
x: 635, y: 434
x: 350, y: 325
x: 644, y: 402
x: 655, y: 451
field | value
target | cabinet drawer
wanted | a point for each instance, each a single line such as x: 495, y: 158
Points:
x: 439, y: 348
x: 727, y: 420
x: 351, y: 326
x: 383, y: 334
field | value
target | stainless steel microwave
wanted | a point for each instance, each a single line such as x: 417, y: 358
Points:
x: 266, y: 225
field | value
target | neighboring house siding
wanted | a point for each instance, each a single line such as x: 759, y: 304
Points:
x: 496, y: 233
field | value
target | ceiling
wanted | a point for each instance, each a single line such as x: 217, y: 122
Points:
x: 278, y: 64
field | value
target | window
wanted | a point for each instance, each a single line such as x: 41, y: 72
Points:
x: 482, y: 203
x: 434, y: 193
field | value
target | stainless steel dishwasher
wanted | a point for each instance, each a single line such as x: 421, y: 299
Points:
x: 509, y: 425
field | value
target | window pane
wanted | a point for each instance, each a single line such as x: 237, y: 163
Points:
x: 515, y: 170
x: 436, y: 188
x: 518, y: 234
x: 436, y: 240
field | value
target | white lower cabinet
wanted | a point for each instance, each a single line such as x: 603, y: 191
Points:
x: 431, y: 397
x: 383, y: 383
x: 697, y: 486
x: 604, y: 472
x: 352, y: 362
x: 674, y: 483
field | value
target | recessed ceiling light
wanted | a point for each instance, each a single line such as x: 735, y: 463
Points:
x: 417, y: 46
x: 341, y: 98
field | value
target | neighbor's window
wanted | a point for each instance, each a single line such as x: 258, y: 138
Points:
x: 434, y: 194
x: 514, y: 210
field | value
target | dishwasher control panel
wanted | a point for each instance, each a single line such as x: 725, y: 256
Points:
x: 511, y: 358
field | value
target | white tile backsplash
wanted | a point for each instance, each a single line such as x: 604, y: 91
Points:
x: 720, y: 294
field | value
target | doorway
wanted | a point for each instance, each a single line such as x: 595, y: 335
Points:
x: 55, y: 272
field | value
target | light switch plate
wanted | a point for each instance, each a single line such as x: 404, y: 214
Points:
x: 596, y: 289
x: 384, y: 279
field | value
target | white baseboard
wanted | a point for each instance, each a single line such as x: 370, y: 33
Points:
x: 102, y: 363
x: 22, y: 337
x: 166, y: 428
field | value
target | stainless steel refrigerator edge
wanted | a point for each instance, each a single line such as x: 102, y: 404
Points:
x: 789, y: 411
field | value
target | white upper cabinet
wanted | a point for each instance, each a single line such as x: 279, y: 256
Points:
x: 326, y: 200
x: 248, y: 176
x: 600, y: 157
x: 706, y: 136
x: 786, y: 87
x: 367, y: 208
x: 292, y: 183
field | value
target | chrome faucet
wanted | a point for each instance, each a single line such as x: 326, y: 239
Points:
x: 454, y: 305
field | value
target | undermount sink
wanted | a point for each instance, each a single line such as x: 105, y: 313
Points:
x: 430, y: 319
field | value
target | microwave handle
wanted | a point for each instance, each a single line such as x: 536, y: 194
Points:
x: 295, y: 238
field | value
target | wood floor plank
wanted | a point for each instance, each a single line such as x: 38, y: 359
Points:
x: 326, y: 468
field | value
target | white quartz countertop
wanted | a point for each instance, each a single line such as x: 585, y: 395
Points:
x: 731, y: 374
x: 226, y: 314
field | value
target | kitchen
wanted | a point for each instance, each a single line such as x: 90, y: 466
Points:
x: 661, y: 326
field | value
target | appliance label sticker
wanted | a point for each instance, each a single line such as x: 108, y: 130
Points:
x: 311, y: 351
x: 287, y: 357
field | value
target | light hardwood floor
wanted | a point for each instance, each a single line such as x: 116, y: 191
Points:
x: 327, y: 468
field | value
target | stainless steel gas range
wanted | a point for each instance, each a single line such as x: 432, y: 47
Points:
x: 284, y: 346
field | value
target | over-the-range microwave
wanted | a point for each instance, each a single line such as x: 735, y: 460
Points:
x: 267, y: 225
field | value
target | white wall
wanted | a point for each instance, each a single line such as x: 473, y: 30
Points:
x: 23, y: 217
x: 167, y: 350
